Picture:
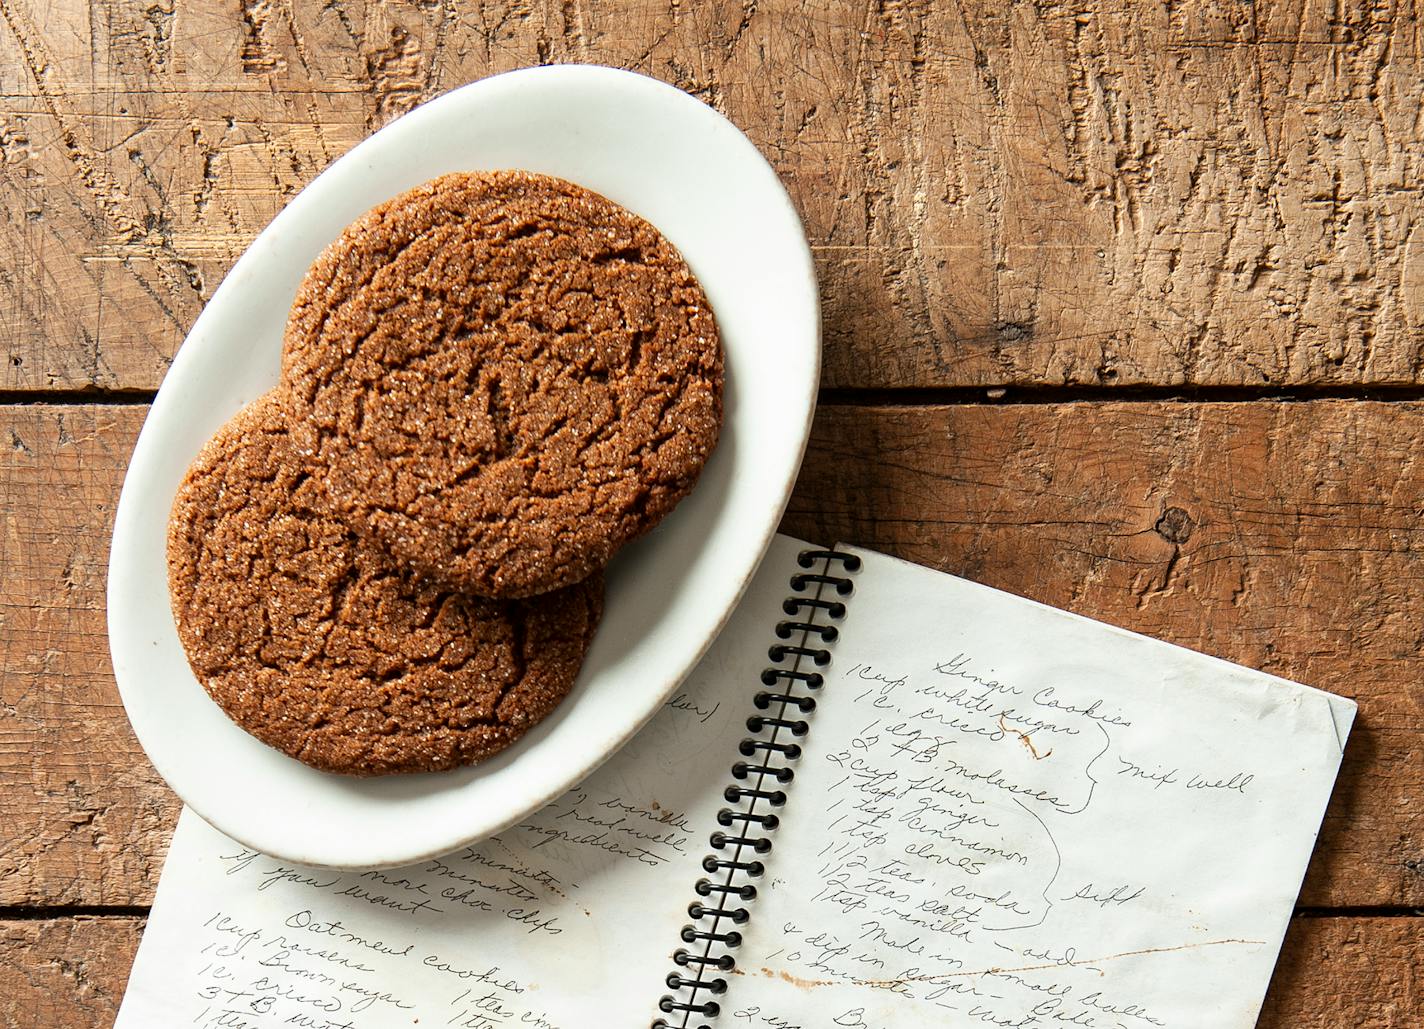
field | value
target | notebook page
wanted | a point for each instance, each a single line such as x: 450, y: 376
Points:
x: 565, y: 921
x: 1011, y: 816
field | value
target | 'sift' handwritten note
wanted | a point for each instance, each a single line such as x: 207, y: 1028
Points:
x: 1010, y: 816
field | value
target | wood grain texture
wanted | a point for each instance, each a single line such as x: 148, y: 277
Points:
x: 83, y: 817
x: 1348, y: 973
x: 71, y: 973
x: 1088, y: 192
x: 1286, y: 536
x: 65, y: 973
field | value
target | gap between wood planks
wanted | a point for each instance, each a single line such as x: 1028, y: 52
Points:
x: 37, y: 914
x: 1361, y: 911
x: 45, y: 913
x: 925, y: 396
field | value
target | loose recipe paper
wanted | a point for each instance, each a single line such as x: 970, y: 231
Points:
x: 1004, y: 816
x: 1023, y: 818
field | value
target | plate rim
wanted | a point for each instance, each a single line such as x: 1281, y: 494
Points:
x: 123, y: 565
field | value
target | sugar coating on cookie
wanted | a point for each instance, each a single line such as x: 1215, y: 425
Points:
x: 504, y: 377
x: 315, y: 643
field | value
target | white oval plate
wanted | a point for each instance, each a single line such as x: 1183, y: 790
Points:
x: 691, y: 173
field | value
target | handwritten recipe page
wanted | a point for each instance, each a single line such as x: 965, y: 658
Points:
x: 1012, y: 816
x: 1004, y: 815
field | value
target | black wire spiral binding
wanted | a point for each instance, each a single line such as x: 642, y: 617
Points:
x: 733, y: 861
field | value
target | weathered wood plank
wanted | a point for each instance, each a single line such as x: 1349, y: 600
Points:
x: 1358, y: 972
x: 1288, y: 536
x: 1098, y: 192
x: 65, y: 973
x: 83, y: 817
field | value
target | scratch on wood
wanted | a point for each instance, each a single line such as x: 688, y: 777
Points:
x: 100, y: 184
x: 749, y: 10
x: 258, y: 55
x: 396, y: 75
x: 158, y: 41
x: 433, y: 67
x: 300, y: 45
x: 575, y: 27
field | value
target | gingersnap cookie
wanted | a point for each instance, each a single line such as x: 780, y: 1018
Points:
x: 504, y: 377
x: 316, y: 644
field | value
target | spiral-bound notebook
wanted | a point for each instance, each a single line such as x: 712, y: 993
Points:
x: 886, y: 798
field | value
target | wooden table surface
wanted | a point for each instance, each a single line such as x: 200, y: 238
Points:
x: 1124, y: 311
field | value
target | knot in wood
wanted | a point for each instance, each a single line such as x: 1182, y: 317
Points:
x: 1175, y: 525
x: 1012, y: 332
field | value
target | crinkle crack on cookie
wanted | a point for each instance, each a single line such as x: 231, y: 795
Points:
x: 318, y: 645
x: 504, y: 377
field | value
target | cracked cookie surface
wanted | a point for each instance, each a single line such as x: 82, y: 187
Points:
x: 314, y: 642
x: 504, y: 377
